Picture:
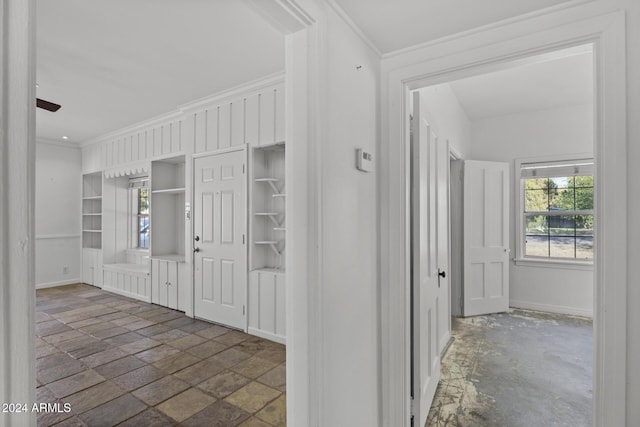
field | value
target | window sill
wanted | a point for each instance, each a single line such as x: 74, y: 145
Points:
x: 555, y: 263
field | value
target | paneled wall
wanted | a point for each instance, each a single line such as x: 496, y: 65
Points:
x: 253, y: 114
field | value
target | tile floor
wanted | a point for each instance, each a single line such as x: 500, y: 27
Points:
x: 118, y: 361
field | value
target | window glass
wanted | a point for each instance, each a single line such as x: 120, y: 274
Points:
x: 143, y: 218
x: 559, y: 217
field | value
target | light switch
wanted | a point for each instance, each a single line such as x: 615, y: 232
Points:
x: 364, y: 160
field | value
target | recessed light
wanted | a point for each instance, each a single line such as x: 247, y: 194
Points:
x: 65, y: 137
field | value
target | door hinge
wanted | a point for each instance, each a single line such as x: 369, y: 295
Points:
x: 243, y: 239
x: 243, y: 168
x: 243, y: 311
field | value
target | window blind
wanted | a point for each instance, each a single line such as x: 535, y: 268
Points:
x: 141, y: 182
x: 557, y: 169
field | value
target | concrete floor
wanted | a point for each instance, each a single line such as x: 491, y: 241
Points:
x: 521, y: 368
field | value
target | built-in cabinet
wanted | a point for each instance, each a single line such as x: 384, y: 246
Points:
x: 162, y: 150
x: 167, y: 215
x: 92, y: 228
x: 267, y: 238
x: 164, y: 282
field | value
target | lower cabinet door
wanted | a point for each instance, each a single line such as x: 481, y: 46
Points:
x: 164, y: 283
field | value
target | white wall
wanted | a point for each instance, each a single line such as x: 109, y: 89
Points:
x: 448, y: 119
x: 542, y: 133
x: 57, y: 214
x: 349, y: 303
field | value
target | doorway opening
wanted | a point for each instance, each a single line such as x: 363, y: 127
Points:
x: 538, y: 111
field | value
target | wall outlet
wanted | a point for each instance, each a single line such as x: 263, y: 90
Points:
x: 65, y: 270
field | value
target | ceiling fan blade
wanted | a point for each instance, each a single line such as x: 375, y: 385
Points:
x: 49, y: 106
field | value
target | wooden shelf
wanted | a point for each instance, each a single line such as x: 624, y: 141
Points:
x: 92, y: 231
x: 272, y: 243
x: 168, y: 191
x: 92, y: 198
x: 271, y: 182
x: 273, y: 216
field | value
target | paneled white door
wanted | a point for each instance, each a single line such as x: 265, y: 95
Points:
x: 220, y: 222
x: 425, y: 291
x: 486, y: 237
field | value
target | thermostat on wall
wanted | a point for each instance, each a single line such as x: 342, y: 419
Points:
x: 364, y: 160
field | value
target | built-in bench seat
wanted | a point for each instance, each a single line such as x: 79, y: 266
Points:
x: 131, y: 280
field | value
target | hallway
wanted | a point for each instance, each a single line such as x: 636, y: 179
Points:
x: 118, y: 361
x: 521, y: 368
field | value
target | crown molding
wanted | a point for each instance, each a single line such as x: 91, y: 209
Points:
x: 248, y: 88
x: 483, y: 28
x: 354, y: 27
x: 145, y: 124
x: 233, y: 93
x: 287, y: 16
x: 64, y: 144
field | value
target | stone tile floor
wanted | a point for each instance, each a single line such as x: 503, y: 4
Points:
x: 119, y: 361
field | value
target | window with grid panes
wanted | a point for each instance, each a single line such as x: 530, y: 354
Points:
x: 139, y: 212
x: 557, y: 210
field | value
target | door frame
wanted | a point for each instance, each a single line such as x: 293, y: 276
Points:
x: 481, y: 51
x: 192, y: 210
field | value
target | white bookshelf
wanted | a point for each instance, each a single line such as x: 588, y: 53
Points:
x: 167, y: 208
x: 267, y: 222
x: 267, y: 232
x: 92, y: 211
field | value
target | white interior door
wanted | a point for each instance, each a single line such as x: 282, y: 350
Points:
x: 220, y: 256
x: 486, y: 237
x: 425, y: 350
x: 442, y: 244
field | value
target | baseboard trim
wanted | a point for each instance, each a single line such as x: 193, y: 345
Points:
x: 59, y: 283
x: 267, y: 335
x: 550, y: 308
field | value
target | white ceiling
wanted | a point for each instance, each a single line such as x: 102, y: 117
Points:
x: 561, y: 79
x: 396, y: 24
x: 113, y: 63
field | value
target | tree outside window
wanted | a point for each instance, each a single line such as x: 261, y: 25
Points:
x: 558, y: 215
x: 143, y: 218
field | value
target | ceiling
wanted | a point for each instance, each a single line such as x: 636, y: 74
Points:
x: 561, y: 79
x: 114, y: 63
x: 396, y: 24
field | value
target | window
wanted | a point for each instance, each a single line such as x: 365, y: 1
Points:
x: 139, y: 212
x: 557, y: 210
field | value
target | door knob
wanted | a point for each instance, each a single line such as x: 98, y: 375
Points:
x: 442, y: 274
x: 196, y: 250
x: 197, y: 238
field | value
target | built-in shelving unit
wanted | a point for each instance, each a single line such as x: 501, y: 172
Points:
x: 167, y: 208
x: 92, y: 211
x: 167, y: 230
x: 267, y: 281
x: 268, y: 208
x: 92, y: 228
